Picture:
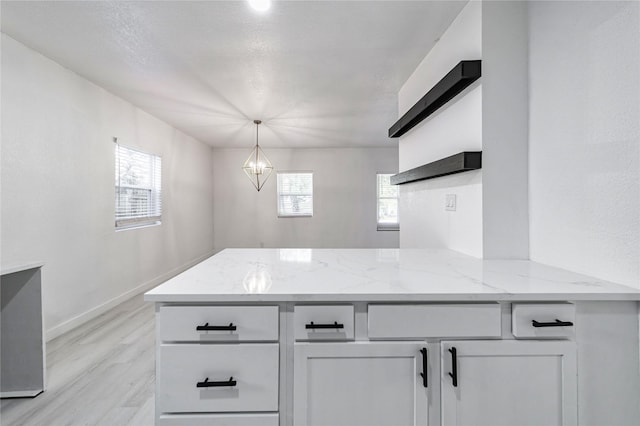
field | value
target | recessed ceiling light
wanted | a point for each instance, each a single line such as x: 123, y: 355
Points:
x: 260, y: 5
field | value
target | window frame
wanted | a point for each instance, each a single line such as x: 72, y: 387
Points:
x: 386, y: 226
x: 123, y: 224
x: 278, y: 195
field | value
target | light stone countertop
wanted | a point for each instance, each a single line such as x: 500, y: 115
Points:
x: 410, y: 275
x: 14, y: 267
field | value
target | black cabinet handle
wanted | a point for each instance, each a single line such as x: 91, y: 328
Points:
x: 425, y: 356
x: 556, y: 323
x: 224, y: 383
x: 313, y: 326
x: 208, y: 327
x: 454, y: 367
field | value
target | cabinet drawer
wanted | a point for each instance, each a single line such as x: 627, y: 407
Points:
x: 543, y: 320
x: 319, y: 322
x: 437, y: 320
x: 253, y: 368
x: 261, y: 419
x: 242, y: 323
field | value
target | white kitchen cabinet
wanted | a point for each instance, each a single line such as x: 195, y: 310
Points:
x: 22, y: 341
x: 336, y: 341
x: 218, y: 323
x: 421, y: 321
x: 218, y: 378
x: 217, y: 365
x: 508, y: 383
x: 362, y: 384
x: 323, y: 322
x: 543, y: 320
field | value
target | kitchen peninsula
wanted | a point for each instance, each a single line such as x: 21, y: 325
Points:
x: 391, y: 337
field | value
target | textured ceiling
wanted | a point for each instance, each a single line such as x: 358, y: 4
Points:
x: 318, y: 73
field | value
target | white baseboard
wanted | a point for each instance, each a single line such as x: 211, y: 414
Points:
x: 78, y: 320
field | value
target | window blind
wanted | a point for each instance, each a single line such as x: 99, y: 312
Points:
x: 387, y: 202
x: 295, y: 194
x: 138, y: 184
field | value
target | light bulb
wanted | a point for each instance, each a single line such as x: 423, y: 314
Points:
x: 260, y: 5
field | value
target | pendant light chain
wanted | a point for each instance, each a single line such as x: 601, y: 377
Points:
x: 257, y: 158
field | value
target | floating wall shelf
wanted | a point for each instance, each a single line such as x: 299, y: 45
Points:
x: 458, y: 79
x: 462, y: 162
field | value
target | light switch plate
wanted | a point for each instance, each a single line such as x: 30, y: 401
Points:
x: 450, y: 203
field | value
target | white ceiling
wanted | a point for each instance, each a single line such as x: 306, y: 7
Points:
x: 318, y: 73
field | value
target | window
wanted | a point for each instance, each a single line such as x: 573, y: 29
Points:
x: 387, y: 204
x: 138, y: 188
x: 295, y: 194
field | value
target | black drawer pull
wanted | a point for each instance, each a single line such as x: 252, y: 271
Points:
x: 454, y: 367
x: 224, y: 383
x: 556, y: 323
x: 425, y: 355
x: 208, y: 327
x: 313, y: 326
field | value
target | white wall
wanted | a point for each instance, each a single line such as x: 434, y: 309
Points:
x: 454, y: 128
x: 585, y: 137
x: 344, y: 199
x: 58, y: 190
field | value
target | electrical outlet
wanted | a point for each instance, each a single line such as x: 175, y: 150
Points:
x: 450, y: 203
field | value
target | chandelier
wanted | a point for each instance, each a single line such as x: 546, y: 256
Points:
x: 258, y: 168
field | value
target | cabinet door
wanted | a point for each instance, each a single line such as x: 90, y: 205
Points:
x: 361, y: 384
x: 509, y: 383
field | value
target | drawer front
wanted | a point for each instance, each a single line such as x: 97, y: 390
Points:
x: 421, y: 321
x: 324, y: 319
x: 237, y: 323
x: 543, y: 320
x: 253, y: 368
x: 218, y: 420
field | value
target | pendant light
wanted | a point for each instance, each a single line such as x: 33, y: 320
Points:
x: 258, y: 168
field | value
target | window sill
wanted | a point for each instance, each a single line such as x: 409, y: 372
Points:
x: 294, y: 215
x: 137, y: 226
x: 388, y: 227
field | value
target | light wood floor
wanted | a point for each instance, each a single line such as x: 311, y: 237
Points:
x: 102, y: 373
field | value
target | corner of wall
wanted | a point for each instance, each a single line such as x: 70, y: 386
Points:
x: 505, y: 130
